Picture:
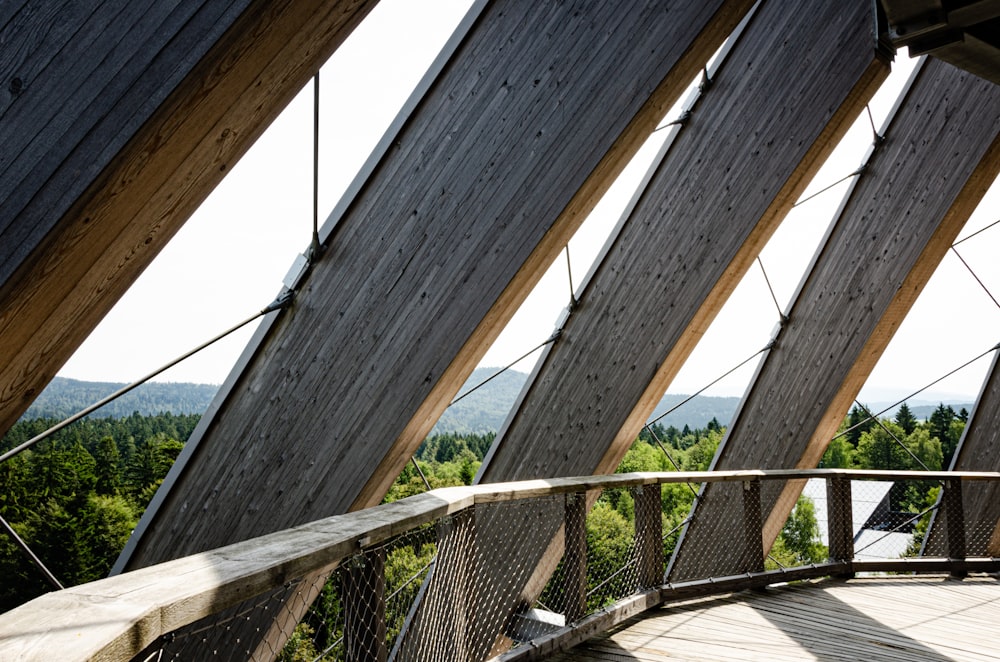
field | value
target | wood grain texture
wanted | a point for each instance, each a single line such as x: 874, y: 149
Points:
x: 772, y: 113
x: 539, y: 108
x: 978, y: 450
x: 904, y: 619
x: 941, y: 153
x: 740, y: 160
x: 127, y: 119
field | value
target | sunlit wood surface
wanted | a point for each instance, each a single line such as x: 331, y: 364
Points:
x: 882, y: 618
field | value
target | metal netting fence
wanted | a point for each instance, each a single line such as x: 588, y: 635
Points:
x: 512, y: 566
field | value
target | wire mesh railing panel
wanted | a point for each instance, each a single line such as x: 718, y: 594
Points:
x: 517, y: 547
x: 363, y: 606
x: 488, y: 578
x: 717, y: 547
x: 234, y: 634
x: 504, y: 571
x: 434, y: 628
x: 611, y: 551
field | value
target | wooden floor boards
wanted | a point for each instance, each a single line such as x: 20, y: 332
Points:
x: 933, y: 619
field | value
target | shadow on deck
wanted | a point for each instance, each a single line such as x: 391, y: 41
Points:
x: 877, y: 618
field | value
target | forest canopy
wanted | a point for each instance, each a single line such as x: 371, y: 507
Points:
x: 76, y: 496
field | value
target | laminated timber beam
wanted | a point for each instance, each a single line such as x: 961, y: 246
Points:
x: 790, y: 85
x: 523, y: 129
x: 940, y: 154
x: 117, y: 119
x: 789, y: 88
x: 978, y: 450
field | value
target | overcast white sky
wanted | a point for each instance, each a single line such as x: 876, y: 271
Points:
x: 230, y: 258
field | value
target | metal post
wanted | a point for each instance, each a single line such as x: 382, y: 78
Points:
x: 364, y: 607
x: 648, y: 535
x: 575, y: 558
x: 955, y: 521
x: 840, y: 518
x: 753, y: 538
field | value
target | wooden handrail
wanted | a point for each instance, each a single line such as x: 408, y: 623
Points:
x: 116, y: 618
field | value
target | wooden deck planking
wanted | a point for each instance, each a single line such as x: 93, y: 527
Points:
x: 899, y: 618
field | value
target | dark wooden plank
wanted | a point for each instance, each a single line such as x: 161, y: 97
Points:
x: 25, y: 30
x: 540, y: 107
x: 65, y: 95
x: 942, y: 151
x: 144, y: 166
x: 733, y: 171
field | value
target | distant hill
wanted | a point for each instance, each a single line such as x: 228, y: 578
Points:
x: 485, y: 409
x: 64, y: 397
x: 481, y: 411
x: 921, y: 409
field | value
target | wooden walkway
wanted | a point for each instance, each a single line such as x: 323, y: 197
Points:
x: 905, y: 619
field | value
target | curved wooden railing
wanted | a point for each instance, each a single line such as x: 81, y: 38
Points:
x: 119, y: 617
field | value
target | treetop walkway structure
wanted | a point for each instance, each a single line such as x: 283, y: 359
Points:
x: 117, y: 120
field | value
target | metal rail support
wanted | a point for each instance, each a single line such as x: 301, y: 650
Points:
x: 649, y: 535
x: 955, y: 521
x: 575, y: 557
x: 364, y: 607
x: 753, y: 538
x: 840, y: 515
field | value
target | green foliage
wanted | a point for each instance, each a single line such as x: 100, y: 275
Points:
x: 799, y: 542
x: 840, y: 454
x: 75, y: 497
x: 858, y: 423
x: 905, y: 419
x: 609, y: 538
x: 947, y: 426
x: 300, y: 646
x: 64, y: 397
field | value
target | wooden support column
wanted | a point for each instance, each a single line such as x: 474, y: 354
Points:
x: 363, y: 597
x: 840, y: 520
x: 940, y: 154
x: 753, y: 548
x: 978, y: 450
x: 117, y: 119
x: 649, y: 535
x: 575, y: 557
x: 517, y: 137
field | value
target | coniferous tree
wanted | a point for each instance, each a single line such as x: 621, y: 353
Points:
x: 858, y: 422
x: 905, y: 419
x: 108, y: 467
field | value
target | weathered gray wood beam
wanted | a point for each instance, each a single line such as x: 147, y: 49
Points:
x: 769, y: 117
x: 790, y: 87
x: 117, y: 119
x: 941, y: 152
x: 978, y: 450
x: 540, y: 107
